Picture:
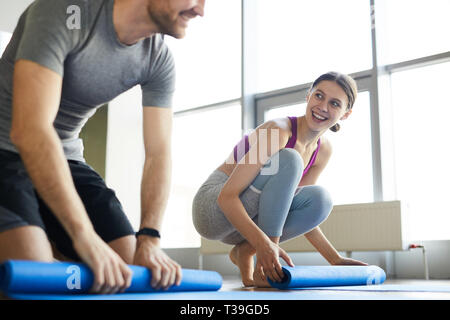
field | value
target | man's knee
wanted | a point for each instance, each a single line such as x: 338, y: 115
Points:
x: 25, y: 243
x: 125, y: 247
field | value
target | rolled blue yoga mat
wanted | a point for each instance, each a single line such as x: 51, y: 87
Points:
x: 326, y: 276
x: 65, y: 277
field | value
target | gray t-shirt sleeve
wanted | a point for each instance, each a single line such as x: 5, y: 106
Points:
x: 158, y: 90
x: 50, y: 33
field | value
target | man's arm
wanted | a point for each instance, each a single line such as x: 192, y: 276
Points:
x: 155, y: 190
x: 157, y: 174
x: 36, y: 97
x: 35, y: 104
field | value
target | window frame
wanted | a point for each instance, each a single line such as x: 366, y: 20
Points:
x: 254, y: 104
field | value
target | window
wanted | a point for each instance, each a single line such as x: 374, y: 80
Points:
x: 299, y: 40
x: 208, y: 59
x: 421, y: 110
x: 201, y: 143
x: 294, y: 42
x: 348, y: 175
x: 293, y: 110
x: 416, y: 28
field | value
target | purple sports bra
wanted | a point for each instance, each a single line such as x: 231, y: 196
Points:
x: 240, y: 152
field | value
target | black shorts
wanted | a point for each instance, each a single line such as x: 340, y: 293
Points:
x: 20, y: 205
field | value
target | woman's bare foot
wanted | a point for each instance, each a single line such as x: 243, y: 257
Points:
x: 242, y: 256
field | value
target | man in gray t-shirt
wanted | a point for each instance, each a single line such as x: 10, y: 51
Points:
x: 65, y: 59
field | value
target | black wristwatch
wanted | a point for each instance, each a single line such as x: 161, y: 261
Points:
x: 148, y: 232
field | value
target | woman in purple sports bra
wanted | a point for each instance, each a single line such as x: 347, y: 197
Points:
x: 265, y: 192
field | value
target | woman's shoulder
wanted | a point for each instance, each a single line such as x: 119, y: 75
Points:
x: 282, y: 124
x: 326, y: 148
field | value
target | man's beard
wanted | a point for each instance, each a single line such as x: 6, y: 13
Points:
x: 166, y: 24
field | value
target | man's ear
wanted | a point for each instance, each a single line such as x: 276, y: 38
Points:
x: 346, y: 115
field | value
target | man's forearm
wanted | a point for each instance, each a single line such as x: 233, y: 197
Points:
x: 44, y: 160
x: 155, y: 190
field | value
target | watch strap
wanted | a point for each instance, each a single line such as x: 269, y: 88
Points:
x: 148, y: 232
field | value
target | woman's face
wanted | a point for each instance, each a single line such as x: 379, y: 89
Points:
x: 326, y: 105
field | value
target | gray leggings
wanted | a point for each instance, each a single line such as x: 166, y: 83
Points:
x: 274, y: 202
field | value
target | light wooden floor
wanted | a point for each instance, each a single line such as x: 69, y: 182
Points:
x: 234, y: 284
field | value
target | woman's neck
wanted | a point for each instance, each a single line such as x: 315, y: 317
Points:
x: 305, y: 136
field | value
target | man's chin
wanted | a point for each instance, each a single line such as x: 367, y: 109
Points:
x: 177, y: 34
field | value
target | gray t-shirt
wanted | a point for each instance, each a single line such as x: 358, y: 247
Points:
x: 96, y: 67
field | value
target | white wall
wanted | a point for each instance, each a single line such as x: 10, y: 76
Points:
x: 4, y: 40
x: 125, y: 151
x: 10, y: 11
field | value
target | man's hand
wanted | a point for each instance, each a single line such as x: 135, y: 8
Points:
x: 111, y: 274
x: 165, y: 271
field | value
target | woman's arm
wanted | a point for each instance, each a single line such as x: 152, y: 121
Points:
x: 326, y: 249
x: 316, y: 236
x: 322, y: 245
x: 262, y: 147
x: 244, y: 173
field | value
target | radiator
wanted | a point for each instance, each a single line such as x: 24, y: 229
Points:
x: 375, y: 226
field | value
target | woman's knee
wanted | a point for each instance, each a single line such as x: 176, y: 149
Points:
x: 290, y: 159
x: 287, y: 163
x: 321, y: 200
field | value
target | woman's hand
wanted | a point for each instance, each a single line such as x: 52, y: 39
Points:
x: 341, y: 261
x: 267, y: 261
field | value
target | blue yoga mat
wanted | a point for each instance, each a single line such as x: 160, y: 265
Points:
x: 326, y: 276
x: 203, y: 295
x: 68, y: 278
